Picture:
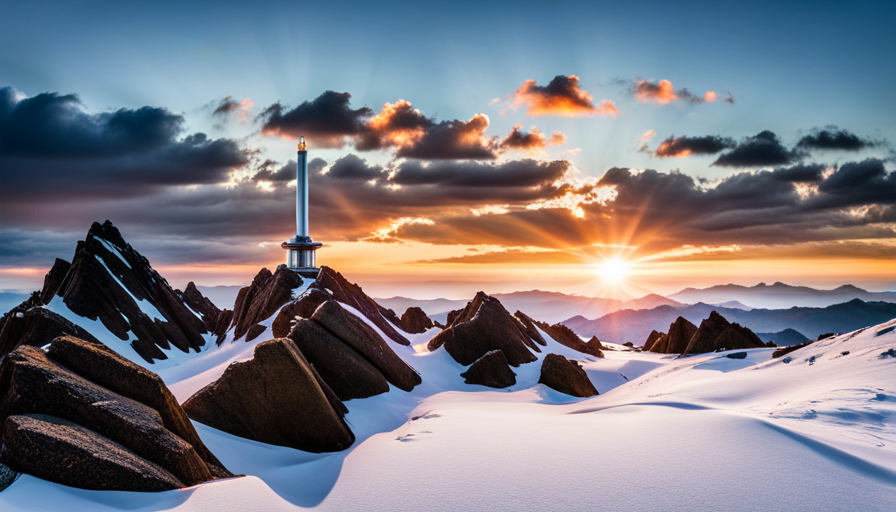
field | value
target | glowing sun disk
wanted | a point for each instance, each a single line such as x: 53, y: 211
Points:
x: 613, y: 270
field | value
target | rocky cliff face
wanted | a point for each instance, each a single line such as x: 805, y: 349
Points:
x: 717, y: 333
x: 482, y: 326
x: 82, y: 405
x: 676, y: 342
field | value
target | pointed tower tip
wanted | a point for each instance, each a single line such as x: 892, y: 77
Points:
x: 302, y: 143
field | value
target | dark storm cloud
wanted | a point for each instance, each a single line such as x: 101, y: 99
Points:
x: 762, y: 149
x: 329, y: 117
x: 270, y: 170
x: 801, y: 173
x: 857, y: 183
x: 685, y: 146
x: 51, y: 148
x: 226, y: 106
x: 833, y: 138
x: 510, y: 174
x: 353, y: 168
x: 51, y: 125
x: 453, y: 140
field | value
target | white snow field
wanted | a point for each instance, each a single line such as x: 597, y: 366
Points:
x: 703, y: 433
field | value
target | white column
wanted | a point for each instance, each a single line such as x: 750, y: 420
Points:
x: 302, y: 195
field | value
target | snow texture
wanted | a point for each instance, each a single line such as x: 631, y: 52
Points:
x: 705, y: 432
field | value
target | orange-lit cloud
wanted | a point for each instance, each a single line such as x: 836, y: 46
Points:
x: 533, y: 141
x: 676, y: 147
x: 663, y: 92
x: 561, y: 97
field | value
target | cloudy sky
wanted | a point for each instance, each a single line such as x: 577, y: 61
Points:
x: 457, y: 147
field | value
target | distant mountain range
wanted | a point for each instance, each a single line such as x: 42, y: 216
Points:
x: 779, y: 295
x: 635, y: 326
x: 550, y: 307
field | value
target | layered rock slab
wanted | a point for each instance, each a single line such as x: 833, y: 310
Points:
x: 66, y: 453
x: 364, y: 340
x: 347, y: 372
x: 276, y: 397
x: 32, y: 383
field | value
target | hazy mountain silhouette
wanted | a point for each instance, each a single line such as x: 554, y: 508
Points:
x: 635, y: 326
x: 548, y: 307
x: 779, y: 295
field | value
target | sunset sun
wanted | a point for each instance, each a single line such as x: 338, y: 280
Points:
x: 613, y: 270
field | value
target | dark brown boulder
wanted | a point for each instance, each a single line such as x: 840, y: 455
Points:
x: 260, y: 300
x: 676, y: 342
x: 565, y: 376
x: 31, y: 383
x: 490, y: 370
x: 106, y: 280
x: 303, y: 307
x: 482, y: 326
x: 101, y: 365
x: 341, y: 289
x: 66, y: 453
x: 530, y: 329
x: 415, y: 321
x: 53, y: 280
x: 716, y: 333
x: 202, y: 305
x: 348, y: 373
x: 651, y: 339
x: 358, y: 335
x: 36, y: 327
x: 276, y: 398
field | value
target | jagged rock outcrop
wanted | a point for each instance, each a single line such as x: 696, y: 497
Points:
x: 415, y: 321
x: 340, y: 289
x: 345, y: 371
x: 482, y: 326
x: 111, y: 282
x: 66, y: 453
x: 651, y: 339
x: 260, y: 300
x: 717, y: 333
x: 136, y: 412
x: 192, y: 297
x: 566, y: 337
x: 364, y: 340
x: 276, y: 397
x: 529, y: 326
x: 303, y: 307
x: 565, y: 376
x: 37, y: 327
x: 676, y: 341
x: 490, y: 370
x: 53, y: 280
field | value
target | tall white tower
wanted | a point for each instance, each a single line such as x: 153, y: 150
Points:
x: 300, y: 255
